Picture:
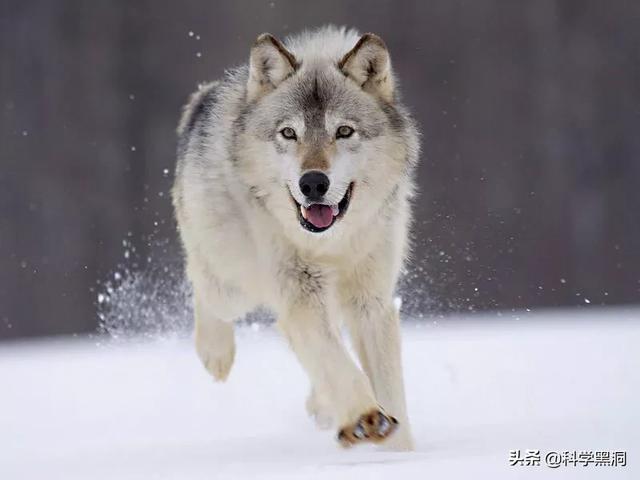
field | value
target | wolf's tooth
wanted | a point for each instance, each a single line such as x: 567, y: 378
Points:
x: 303, y: 211
x: 335, y: 210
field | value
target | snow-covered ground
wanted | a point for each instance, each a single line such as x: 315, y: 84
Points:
x: 477, y: 388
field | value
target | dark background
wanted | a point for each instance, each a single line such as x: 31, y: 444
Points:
x: 529, y: 178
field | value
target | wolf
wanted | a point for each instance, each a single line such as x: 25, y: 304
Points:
x: 293, y: 191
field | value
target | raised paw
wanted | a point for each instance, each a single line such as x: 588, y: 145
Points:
x: 217, y: 350
x: 374, y: 426
x: 218, y: 363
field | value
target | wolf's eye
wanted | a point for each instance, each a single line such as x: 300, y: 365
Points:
x: 288, y: 133
x: 344, y: 131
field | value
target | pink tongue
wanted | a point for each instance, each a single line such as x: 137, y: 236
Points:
x: 320, y: 215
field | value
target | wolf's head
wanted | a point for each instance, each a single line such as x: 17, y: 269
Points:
x: 327, y: 142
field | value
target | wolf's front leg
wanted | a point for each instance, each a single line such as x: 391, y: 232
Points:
x: 318, y: 345
x: 375, y: 332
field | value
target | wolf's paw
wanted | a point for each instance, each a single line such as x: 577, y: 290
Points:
x: 318, y: 409
x: 217, y: 352
x: 217, y: 361
x: 374, y: 426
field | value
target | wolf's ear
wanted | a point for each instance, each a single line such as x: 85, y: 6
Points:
x: 368, y: 64
x: 269, y: 64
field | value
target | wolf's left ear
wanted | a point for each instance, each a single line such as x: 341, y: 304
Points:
x: 369, y: 65
x: 270, y: 63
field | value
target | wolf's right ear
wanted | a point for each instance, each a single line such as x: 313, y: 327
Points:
x: 269, y: 64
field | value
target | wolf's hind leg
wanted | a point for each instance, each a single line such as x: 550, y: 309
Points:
x: 214, y: 338
x: 319, y: 407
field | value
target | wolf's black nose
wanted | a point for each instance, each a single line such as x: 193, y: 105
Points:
x: 314, y: 185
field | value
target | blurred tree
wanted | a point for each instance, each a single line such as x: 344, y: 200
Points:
x: 530, y: 173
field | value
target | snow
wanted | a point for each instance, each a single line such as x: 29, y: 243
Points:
x: 477, y: 388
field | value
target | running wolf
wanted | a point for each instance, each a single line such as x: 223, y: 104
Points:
x: 292, y: 191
